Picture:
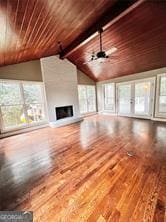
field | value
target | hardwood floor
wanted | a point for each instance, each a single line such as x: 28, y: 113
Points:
x: 82, y: 172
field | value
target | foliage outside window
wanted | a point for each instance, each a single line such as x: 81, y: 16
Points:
x: 109, y: 97
x: 21, y: 104
x: 87, y: 98
x: 162, y: 95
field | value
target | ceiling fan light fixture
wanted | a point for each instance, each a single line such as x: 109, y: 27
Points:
x: 101, y: 60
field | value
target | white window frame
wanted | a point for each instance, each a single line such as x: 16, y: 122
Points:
x: 26, y: 125
x: 117, y: 98
x: 157, y: 113
x: 114, y: 97
x: 86, y: 86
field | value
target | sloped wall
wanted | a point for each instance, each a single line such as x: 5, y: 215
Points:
x: 28, y: 71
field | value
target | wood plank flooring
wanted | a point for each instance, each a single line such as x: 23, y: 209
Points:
x: 82, y: 172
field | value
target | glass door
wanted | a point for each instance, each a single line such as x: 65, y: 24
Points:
x: 124, y: 100
x: 135, y: 98
x: 143, y: 98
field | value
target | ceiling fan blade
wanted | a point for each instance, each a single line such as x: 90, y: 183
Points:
x: 111, y: 50
x: 84, y: 63
x: 113, y: 57
x: 90, y: 52
x: 107, y: 62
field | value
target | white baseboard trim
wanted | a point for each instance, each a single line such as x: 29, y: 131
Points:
x: 158, y: 119
x: 20, y: 131
x: 108, y: 113
x: 65, y: 121
x: 138, y: 117
x: 89, y: 114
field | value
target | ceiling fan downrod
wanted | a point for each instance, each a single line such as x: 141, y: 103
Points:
x: 61, y: 51
x: 100, y: 34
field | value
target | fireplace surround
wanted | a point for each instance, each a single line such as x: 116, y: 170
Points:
x: 64, y: 112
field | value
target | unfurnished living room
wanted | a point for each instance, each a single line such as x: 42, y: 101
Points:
x: 83, y: 110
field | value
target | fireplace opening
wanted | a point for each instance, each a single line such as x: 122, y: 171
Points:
x: 64, y: 112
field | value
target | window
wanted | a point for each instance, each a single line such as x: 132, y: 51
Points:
x: 109, y: 97
x: 21, y: 104
x: 34, y: 103
x: 161, y: 96
x: 87, y: 98
x: 11, y: 104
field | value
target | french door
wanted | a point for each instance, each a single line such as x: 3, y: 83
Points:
x: 135, y: 99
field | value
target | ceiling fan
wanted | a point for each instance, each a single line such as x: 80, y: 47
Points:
x: 102, y: 55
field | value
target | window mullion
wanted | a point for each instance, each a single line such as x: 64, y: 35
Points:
x: 87, y: 98
x: 1, y: 121
x: 23, y: 103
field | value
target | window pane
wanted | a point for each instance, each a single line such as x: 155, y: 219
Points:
x: 82, y: 99
x: 124, y: 99
x: 82, y: 92
x: 109, y: 104
x: 10, y: 93
x: 35, y: 113
x: 142, y: 97
x: 163, y: 86
x: 91, y: 91
x: 162, y: 96
x: 87, y: 98
x: 13, y: 116
x: 162, y: 104
x: 91, y: 105
x: 124, y: 91
x: 109, y: 90
x: 91, y: 97
x: 109, y: 97
x: 83, y: 105
x: 33, y: 93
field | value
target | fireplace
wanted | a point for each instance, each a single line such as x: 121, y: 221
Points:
x: 64, y: 112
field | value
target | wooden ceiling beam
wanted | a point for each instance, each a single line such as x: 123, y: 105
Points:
x: 112, y: 15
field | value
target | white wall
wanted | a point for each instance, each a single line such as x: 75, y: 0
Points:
x: 60, y: 79
x: 84, y: 79
x: 142, y: 75
x: 29, y: 71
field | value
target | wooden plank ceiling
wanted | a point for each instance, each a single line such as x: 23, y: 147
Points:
x: 140, y: 38
x: 31, y: 29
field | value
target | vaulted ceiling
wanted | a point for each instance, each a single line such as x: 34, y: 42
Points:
x: 140, y: 39
x: 31, y: 29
